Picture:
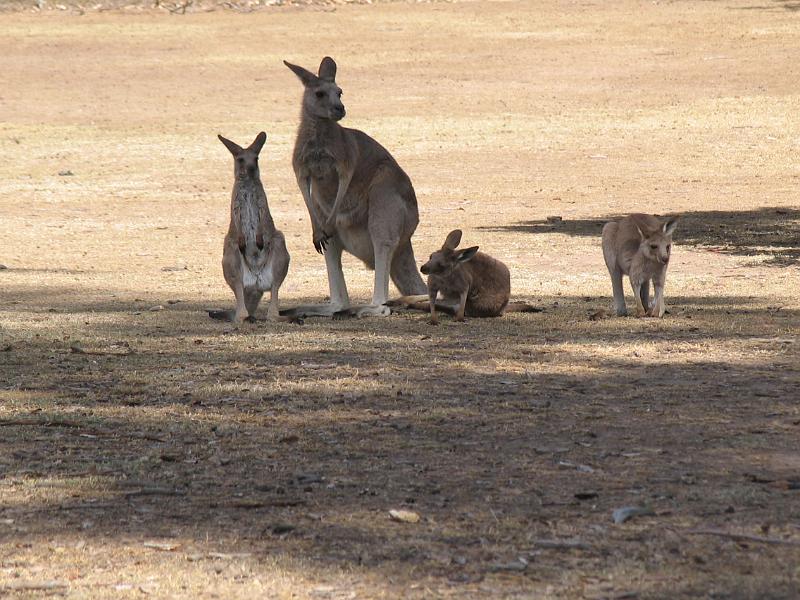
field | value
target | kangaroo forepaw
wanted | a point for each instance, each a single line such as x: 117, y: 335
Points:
x: 321, y: 241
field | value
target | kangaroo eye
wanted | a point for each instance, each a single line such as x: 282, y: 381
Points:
x: 320, y: 94
x: 669, y: 247
x: 654, y: 246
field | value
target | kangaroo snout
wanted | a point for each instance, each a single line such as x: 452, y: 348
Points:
x: 338, y: 112
x: 424, y: 269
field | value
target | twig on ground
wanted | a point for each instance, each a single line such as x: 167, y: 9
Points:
x: 744, y: 537
x: 155, y: 491
x: 562, y: 544
x: 32, y: 586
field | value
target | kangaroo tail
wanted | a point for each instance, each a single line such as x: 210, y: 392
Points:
x: 522, y: 307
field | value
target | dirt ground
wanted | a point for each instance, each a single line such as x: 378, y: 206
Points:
x: 158, y: 453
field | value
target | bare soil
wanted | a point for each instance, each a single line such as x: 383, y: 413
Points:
x: 157, y: 452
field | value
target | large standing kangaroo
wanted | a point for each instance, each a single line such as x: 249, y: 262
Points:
x: 358, y: 198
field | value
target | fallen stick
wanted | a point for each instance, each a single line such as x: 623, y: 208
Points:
x: 561, y: 544
x: 40, y: 423
x: 30, y: 586
x: 744, y: 537
x: 155, y: 492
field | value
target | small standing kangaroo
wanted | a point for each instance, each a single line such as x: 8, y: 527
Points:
x: 471, y: 283
x: 639, y: 246
x: 358, y: 198
x: 254, y: 257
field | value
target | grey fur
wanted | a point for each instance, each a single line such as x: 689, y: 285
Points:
x: 254, y: 256
x: 359, y: 199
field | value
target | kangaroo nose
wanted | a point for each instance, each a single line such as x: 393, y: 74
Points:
x: 424, y: 269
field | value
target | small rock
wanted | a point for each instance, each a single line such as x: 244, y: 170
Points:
x: 620, y: 515
x: 515, y: 565
x: 175, y: 268
x: 599, y: 314
x: 404, y: 516
x: 66, y: 173
x: 3, y: 267
x: 156, y: 308
x: 177, y: 301
x: 554, y: 219
x: 306, y: 478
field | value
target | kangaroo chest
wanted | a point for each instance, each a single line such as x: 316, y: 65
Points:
x: 454, y: 285
x: 257, y: 275
x: 319, y: 162
x: 256, y: 266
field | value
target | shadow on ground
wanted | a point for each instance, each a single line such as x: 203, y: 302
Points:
x: 297, y: 441
x: 769, y: 233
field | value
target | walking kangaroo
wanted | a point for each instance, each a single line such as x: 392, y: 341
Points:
x: 639, y: 246
x: 471, y: 283
x: 254, y: 258
x: 358, y: 198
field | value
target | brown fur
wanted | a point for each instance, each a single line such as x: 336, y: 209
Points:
x: 358, y: 197
x: 471, y: 284
x: 254, y: 256
x: 639, y: 246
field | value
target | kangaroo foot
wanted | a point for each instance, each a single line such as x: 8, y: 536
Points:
x: 359, y: 312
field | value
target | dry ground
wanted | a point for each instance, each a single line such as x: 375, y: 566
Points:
x: 180, y: 457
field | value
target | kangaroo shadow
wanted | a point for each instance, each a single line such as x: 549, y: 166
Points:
x: 770, y: 233
x: 776, y: 6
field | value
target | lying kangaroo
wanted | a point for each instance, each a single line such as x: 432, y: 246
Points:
x: 639, y: 246
x: 471, y: 283
x: 254, y: 258
x: 358, y: 198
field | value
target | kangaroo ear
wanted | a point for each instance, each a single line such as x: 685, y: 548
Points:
x: 669, y: 225
x: 466, y: 254
x: 306, y: 76
x: 258, y: 143
x: 232, y: 146
x: 453, y: 240
x: 327, y: 69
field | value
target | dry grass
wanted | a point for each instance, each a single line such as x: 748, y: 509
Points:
x: 177, y: 457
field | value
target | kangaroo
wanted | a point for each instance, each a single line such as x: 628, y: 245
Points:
x: 639, y: 246
x: 254, y: 257
x: 358, y: 198
x: 471, y: 283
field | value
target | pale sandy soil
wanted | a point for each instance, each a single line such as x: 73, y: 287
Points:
x: 263, y: 460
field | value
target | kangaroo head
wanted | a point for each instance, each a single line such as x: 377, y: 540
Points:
x: 322, y: 97
x: 447, y: 259
x: 657, y: 245
x: 245, y: 160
